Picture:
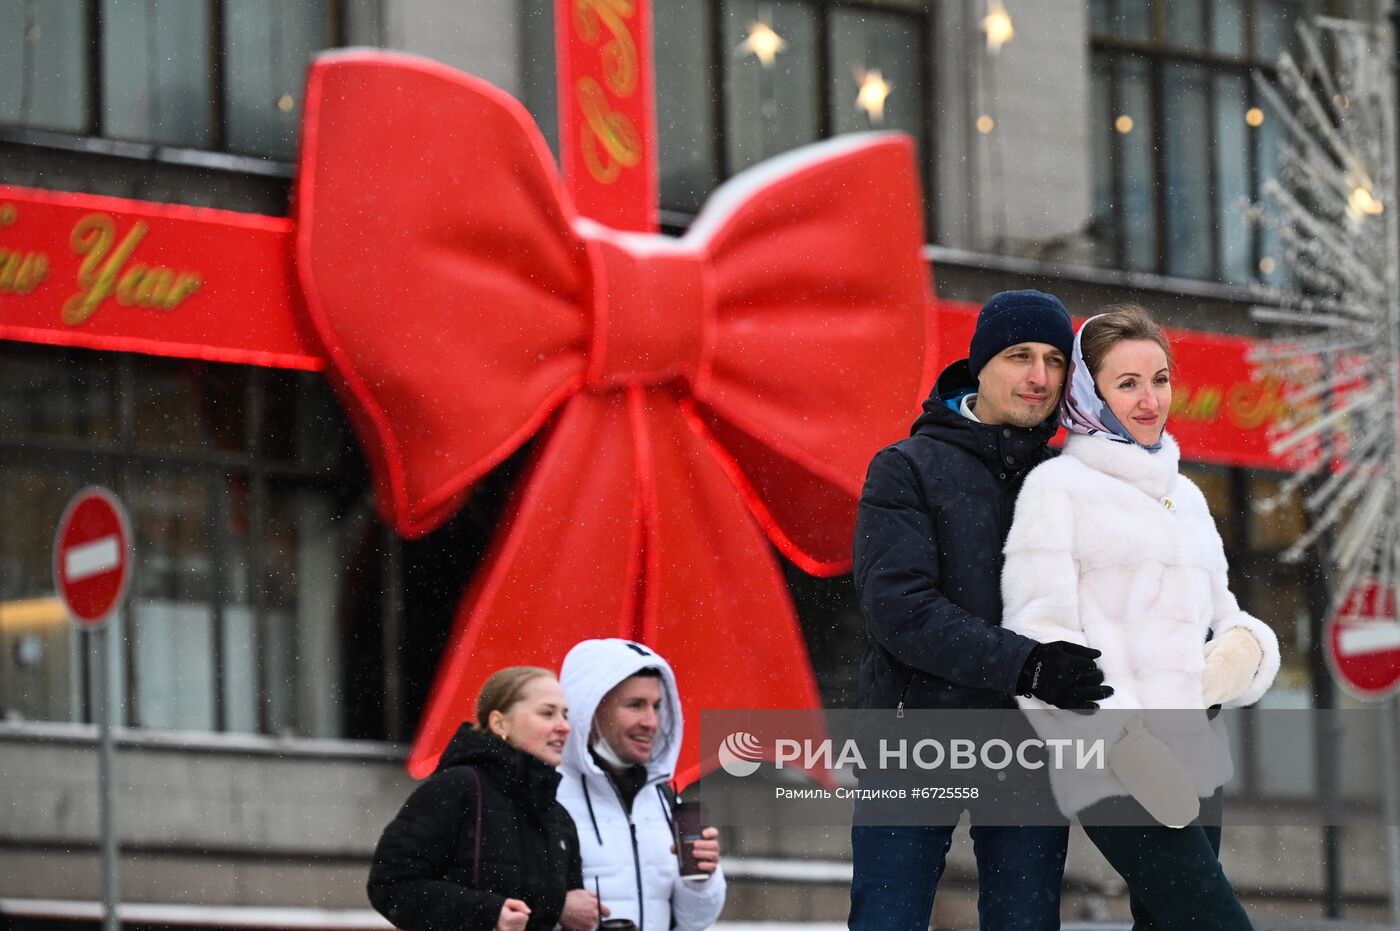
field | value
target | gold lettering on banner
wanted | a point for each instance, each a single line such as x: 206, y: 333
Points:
x: 620, y: 66
x: 1201, y: 403
x: 1246, y: 405
x: 20, y: 272
x: 105, y: 271
x: 610, y: 141
x: 1253, y: 404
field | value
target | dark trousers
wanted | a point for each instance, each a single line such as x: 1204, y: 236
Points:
x: 1174, y: 876
x: 896, y: 873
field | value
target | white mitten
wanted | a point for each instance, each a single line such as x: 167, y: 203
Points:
x: 1232, y: 659
x: 1152, y: 774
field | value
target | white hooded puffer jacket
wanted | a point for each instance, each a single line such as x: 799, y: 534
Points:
x: 637, y: 879
x: 1112, y: 548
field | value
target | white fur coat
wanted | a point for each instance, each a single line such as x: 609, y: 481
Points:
x: 1112, y: 548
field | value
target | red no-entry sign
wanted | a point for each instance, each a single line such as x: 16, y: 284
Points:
x: 92, y: 556
x: 1363, y: 643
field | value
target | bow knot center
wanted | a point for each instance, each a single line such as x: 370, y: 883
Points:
x: 650, y: 317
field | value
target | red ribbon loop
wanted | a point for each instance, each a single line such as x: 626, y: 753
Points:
x: 762, y: 359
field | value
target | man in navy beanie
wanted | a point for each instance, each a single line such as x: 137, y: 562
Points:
x: 934, y: 515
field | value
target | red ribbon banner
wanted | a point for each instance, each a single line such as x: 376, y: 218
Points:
x: 607, y: 120
x: 162, y: 279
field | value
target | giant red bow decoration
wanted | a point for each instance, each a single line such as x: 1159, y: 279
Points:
x: 702, y: 391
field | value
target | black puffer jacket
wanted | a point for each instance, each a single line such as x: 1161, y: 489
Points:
x: 934, y: 515
x: 421, y: 879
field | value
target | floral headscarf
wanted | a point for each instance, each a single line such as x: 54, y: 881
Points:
x: 1083, y: 409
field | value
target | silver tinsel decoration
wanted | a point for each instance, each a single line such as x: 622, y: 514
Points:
x: 1338, y: 314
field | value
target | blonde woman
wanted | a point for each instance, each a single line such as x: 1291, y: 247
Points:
x: 1114, y: 549
x: 482, y: 844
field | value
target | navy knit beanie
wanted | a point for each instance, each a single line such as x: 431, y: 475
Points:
x: 1013, y: 317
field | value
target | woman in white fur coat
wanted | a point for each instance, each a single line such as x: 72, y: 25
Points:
x: 1112, y: 548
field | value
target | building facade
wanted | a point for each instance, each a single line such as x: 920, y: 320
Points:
x: 280, y: 640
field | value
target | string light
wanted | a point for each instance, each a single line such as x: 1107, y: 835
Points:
x: 1362, y: 204
x: 1254, y: 116
x: 763, y: 43
x: 874, y: 90
x: 997, y: 25
x: 985, y: 124
x: 1124, y: 124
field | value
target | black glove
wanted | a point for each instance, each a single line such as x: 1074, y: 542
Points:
x: 1064, y: 675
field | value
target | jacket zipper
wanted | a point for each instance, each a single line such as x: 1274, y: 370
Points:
x: 637, y: 862
x: 636, y: 855
x: 899, y: 707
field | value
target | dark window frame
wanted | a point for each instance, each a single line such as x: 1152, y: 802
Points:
x: 1159, y: 55
x: 129, y: 462
x: 93, y: 137
x: 677, y: 219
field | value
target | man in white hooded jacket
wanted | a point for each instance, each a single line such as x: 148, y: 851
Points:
x: 622, y: 751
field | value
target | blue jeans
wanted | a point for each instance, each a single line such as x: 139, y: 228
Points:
x: 896, y: 873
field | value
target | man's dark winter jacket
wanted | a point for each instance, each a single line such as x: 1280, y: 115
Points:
x: 421, y: 879
x: 934, y: 515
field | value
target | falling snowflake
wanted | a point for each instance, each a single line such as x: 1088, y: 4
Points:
x: 1337, y: 307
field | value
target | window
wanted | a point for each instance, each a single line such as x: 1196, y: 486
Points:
x: 247, y: 511
x: 224, y: 74
x: 740, y: 81
x: 1180, y: 135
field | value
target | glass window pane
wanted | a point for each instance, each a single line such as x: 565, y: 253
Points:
x: 44, y: 64
x: 538, y: 68
x: 301, y: 422
x: 1104, y: 225
x: 1137, y: 171
x: 1101, y: 16
x: 156, y: 71
x: 1274, y: 25
x: 1186, y: 23
x: 235, y: 515
x: 190, y: 407
x: 1215, y: 484
x: 171, y: 625
x: 769, y: 108
x: 684, y: 103
x: 1268, y: 140
x: 304, y: 587
x: 874, y: 47
x: 1227, y: 27
x: 1187, y: 178
x: 1232, y: 136
x: 57, y: 393
x: 268, y: 45
x: 1277, y: 529
x: 1124, y: 19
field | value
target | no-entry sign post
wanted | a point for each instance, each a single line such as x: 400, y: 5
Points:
x: 92, y: 556
x: 1363, y: 643
x: 1363, y: 650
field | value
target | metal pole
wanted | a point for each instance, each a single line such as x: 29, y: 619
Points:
x: 1391, y: 801
x: 1325, y: 738
x: 1392, y: 226
x: 106, y: 810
